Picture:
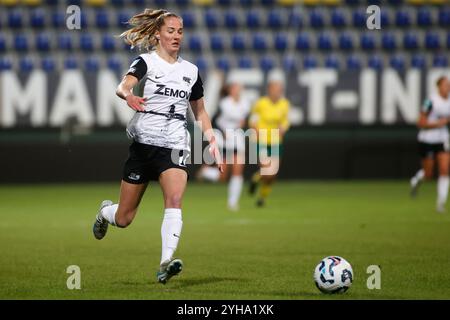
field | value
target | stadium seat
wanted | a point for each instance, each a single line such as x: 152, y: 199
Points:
x: 58, y: 19
x: 86, y: 42
x: 238, y: 42
x: 201, y: 63
x: 245, y: 62
x: 266, y: 63
x: 223, y: 63
x: 388, y: 41
x: 432, y: 41
x: 410, y: 41
x: 395, y: 2
x: 114, y: 64
x: 117, y: 3
x: 375, y: 62
x: 73, y: 2
x: 195, y: 43
x: 15, y: 19
x: 211, y: 19
x: 353, y: 63
x: 338, y: 18
x: 289, y: 63
x: 424, y: 18
x: 444, y: 17
x: 188, y: 19
x: 448, y: 40
x: 21, y: 42
x: 309, y: 62
x: 397, y: 62
x: 359, y: 19
x: 275, y: 19
x: 332, y: 61
x: 345, y: 41
x: 65, y: 42
x: 302, y: 42
x: 92, y: 64
x: 259, y: 42
x: 402, y: 19
x: 440, y: 61
x: 246, y: 3
x: 316, y: 19
x: 324, y: 42
x: 160, y: 3
x: 70, y: 63
x: 139, y: 3
x: 43, y: 42
x: 5, y: 64
x: 108, y: 43
x: 352, y: 2
x: 384, y: 19
x: 48, y: 64
x: 2, y: 43
x: 224, y: 3
x: 96, y: 3
x: 51, y: 2
x: 231, y: 20
x: 102, y: 19
x: 26, y: 64
x: 373, y: 2
x: 37, y: 18
x: 253, y: 20
x: 280, y: 42
x: 418, y: 61
x: 268, y: 3
x: 217, y: 42
x: 181, y: 3
x: 122, y: 19
x: 295, y: 20
x: 367, y: 41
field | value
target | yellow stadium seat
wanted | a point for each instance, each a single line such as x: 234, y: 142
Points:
x: 288, y: 2
x: 32, y: 2
x: 332, y: 2
x: 204, y: 2
x: 96, y: 3
x: 9, y: 2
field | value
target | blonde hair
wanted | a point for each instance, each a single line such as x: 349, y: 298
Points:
x: 145, y: 24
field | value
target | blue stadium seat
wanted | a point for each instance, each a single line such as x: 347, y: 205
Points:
x: 195, y: 43
x: 21, y: 42
x: 289, y: 63
x: 253, y: 20
x: 37, y: 18
x: 201, y: 63
x: 388, y: 41
x: 448, y: 40
x: 15, y: 19
x: 402, y: 19
x: 246, y: 3
x: 139, y: 3
x: 117, y: 3
x: 70, y: 63
x: 440, y: 61
x: 367, y: 41
x: 309, y: 62
x: 324, y: 42
x: 231, y: 20
x: 352, y: 2
x: 223, y: 63
x: 281, y: 41
x: 432, y: 41
x: 245, y: 62
x: 424, y: 17
x: 5, y: 64
x: 410, y: 41
x: 353, y: 63
x: 43, y: 42
x: 295, y: 19
x: 181, y: 3
x: 238, y: 42
x: 444, y: 17
x: 108, y: 43
x: 73, y: 2
x: 259, y: 42
x: 160, y: 3
x: 266, y: 63
x: 316, y: 19
x: 359, y: 18
x: 217, y: 42
x: 92, y: 64
x: 268, y: 3
x: 122, y: 19
x: 212, y: 19
x: 224, y: 3
x: 275, y: 19
x: 418, y: 61
x: 86, y: 42
x: 51, y: 2
x: 2, y: 43
x: 384, y: 19
x: 395, y: 2
x: 114, y: 64
x: 65, y: 42
x: 48, y: 64
x: 375, y: 62
x: 332, y: 61
x: 375, y: 2
x: 188, y: 19
x: 26, y: 64
x: 58, y: 19
x: 345, y: 41
x: 102, y: 19
x: 397, y: 62
x: 338, y: 18
x: 302, y: 42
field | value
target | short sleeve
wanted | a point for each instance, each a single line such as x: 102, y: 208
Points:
x: 427, y: 106
x: 138, y: 68
x: 197, y: 89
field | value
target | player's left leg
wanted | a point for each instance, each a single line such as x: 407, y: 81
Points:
x: 173, y: 184
x: 236, y: 182
x: 443, y: 159
x: 268, y: 170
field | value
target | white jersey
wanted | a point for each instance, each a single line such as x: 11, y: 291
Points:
x: 168, y: 89
x: 436, y: 107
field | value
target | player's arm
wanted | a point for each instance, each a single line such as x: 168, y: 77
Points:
x: 284, y: 125
x: 424, y: 123
x: 124, y: 91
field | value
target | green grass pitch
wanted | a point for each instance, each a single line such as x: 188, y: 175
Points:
x: 267, y: 253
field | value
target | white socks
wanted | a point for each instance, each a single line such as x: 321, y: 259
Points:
x: 234, y: 191
x: 442, y: 187
x: 109, y: 213
x: 419, y: 175
x: 210, y: 174
x: 170, y: 232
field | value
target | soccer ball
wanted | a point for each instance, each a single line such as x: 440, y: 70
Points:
x: 333, y: 275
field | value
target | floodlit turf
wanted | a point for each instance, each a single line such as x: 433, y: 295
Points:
x: 267, y: 253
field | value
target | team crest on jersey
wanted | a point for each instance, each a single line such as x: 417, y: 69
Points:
x: 187, y: 80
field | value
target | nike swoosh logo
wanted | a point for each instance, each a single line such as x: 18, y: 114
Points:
x: 156, y: 77
x: 176, y: 235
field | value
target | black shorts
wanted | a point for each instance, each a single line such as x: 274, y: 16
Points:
x: 146, y: 162
x: 427, y: 150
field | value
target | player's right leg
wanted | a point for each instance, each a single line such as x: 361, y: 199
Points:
x: 426, y: 172
x: 443, y: 159
x: 121, y: 214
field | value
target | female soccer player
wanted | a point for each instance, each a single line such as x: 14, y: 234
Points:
x: 434, y: 141
x: 231, y: 120
x: 161, y: 142
x: 269, y: 119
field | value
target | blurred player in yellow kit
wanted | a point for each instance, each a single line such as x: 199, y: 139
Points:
x: 269, y: 119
